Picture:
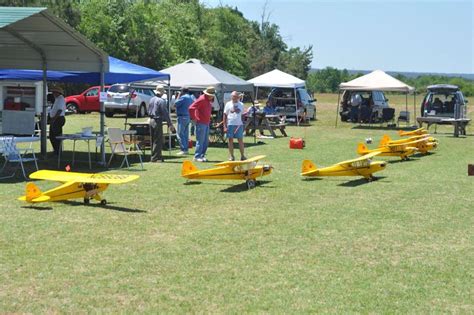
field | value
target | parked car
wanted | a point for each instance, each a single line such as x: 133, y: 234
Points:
x: 86, y: 102
x: 282, y: 100
x: 444, y: 100
x: 365, y: 106
x: 122, y: 96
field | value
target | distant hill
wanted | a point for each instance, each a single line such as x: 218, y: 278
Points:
x: 468, y: 76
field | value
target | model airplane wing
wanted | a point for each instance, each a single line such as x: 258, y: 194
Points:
x: 64, y: 177
x: 362, y: 158
x: 236, y: 163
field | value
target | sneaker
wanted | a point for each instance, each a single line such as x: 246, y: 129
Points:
x: 204, y: 159
x: 182, y: 153
x: 198, y: 159
x: 243, y: 158
x: 231, y: 158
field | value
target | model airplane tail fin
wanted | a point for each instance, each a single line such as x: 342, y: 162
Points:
x: 32, y: 192
x: 308, y: 166
x: 385, y: 140
x: 188, y: 168
x: 362, y: 149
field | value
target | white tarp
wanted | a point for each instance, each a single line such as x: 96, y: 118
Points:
x: 376, y: 81
x: 277, y: 78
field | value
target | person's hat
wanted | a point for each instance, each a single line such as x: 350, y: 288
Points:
x: 57, y: 90
x: 211, y: 91
x: 160, y: 89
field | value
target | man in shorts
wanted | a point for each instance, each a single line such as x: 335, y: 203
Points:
x: 233, y: 125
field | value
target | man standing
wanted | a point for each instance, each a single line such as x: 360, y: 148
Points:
x: 158, y: 112
x: 57, y: 120
x: 184, y: 100
x: 200, y: 112
x: 233, y: 124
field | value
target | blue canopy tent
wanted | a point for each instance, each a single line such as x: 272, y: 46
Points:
x: 119, y: 72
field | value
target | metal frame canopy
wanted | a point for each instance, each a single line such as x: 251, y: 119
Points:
x: 33, y: 38
x: 279, y: 79
x: 376, y: 80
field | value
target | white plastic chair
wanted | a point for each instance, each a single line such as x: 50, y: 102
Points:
x: 12, y: 154
x: 118, y: 147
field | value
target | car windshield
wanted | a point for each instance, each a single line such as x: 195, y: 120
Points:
x: 119, y: 88
x: 304, y: 96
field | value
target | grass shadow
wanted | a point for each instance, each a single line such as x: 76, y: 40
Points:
x: 192, y: 183
x: 38, y: 208
x: 109, y: 206
x: 411, y: 159
x: 360, y: 182
x: 243, y: 187
x: 370, y: 127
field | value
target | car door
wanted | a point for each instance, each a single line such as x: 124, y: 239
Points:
x: 91, y: 100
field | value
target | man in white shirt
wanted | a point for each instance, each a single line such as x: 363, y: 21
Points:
x: 57, y: 120
x: 233, y: 124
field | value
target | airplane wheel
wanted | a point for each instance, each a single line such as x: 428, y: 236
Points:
x: 251, y: 183
x: 86, y: 201
x: 103, y: 202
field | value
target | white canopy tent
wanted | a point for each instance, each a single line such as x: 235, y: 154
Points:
x: 33, y: 38
x: 377, y: 80
x: 280, y: 79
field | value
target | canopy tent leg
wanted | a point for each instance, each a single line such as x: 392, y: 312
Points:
x: 414, y: 108
x: 169, y: 113
x: 44, y: 116
x: 296, y: 110
x: 406, y: 106
x: 102, y: 114
x: 337, y: 106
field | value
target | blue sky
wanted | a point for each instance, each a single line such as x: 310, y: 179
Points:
x: 401, y: 35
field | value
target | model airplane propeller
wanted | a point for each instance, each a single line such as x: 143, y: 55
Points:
x: 247, y: 170
x: 362, y: 166
x: 75, y: 186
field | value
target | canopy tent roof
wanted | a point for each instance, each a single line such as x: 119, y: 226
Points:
x: 277, y: 78
x: 31, y: 36
x: 120, y: 72
x: 376, y: 80
x: 196, y: 74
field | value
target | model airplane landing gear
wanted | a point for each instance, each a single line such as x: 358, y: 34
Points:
x: 251, y: 183
x: 103, y: 202
x: 87, y: 201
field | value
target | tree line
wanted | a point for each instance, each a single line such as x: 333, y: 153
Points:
x: 327, y: 81
x: 161, y: 33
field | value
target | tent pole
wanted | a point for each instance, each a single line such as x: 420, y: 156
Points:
x: 406, y: 105
x: 337, y: 106
x: 169, y: 113
x: 414, y: 108
x: 44, y: 115
x: 253, y: 117
x: 296, y: 109
x: 102, y: 113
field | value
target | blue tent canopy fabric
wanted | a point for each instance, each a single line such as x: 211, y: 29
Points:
x: 120, y: 72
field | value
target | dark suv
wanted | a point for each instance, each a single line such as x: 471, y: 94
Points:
x: 444, y: 100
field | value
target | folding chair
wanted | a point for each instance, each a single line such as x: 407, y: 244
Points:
x: 118, y: 147
x: 12, y: 154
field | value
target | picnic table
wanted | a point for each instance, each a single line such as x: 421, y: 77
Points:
x: 459, y: 124
x: 262, y: 122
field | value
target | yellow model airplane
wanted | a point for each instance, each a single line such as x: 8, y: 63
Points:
x: 362, y: 166
x: 75, y: 185
x: 247, y: 170
x: 401, y: 150
x: 424, y: 143
x: 416, y: 132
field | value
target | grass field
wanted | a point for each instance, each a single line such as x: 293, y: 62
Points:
x: 401, y: 244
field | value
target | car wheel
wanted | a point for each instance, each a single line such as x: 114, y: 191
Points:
x: 109, y: 114
x: 142, y: 111
x: 72, y: 107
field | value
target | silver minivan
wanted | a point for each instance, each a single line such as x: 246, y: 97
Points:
x: 282, y: 100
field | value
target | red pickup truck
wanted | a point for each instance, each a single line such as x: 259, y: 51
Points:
x: 86, y: 102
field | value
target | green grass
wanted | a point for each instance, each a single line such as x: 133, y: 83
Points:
x: 402, y: 244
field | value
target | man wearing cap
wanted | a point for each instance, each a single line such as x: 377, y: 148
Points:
x: 57, y: 120
x: 233, y: 124
x: 158, y: 112
x: 184, y: 100
x: 200, y: 112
